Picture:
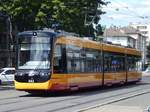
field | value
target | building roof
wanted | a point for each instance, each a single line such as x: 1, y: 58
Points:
x: 120, y: 31
x: 130, y: 30
x: 113, y: 31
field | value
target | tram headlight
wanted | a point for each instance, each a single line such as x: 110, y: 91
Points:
x: 18, y: 74
x: 43, y: 74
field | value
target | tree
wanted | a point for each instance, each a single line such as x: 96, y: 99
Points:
x: 69, y: 15
x: 99, y: 30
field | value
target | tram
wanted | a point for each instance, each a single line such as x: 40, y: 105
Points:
x: 51, y: 61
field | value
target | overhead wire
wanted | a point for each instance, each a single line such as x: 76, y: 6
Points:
x: 135, y: 14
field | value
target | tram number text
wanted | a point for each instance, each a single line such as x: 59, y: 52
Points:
x: 31, y: 80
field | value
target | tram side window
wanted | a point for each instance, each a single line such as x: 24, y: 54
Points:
x: 138, y: 63
x: 59, y: 59
x: 73, y: 63
x: 93, y: 61
x: 122, y: 66
x: 131, y: 63
x: 97, y: 61
x: 118, y: 63
x: 83, y: 60
x: 73, y: 59
x: 134, y: 63
x: 107, y: 62
x: 114, y: 62
x: 89, y: 61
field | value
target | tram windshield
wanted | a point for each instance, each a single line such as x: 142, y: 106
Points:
x: 34, y: 53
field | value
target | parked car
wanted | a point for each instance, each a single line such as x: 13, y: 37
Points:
x: 7, y: 75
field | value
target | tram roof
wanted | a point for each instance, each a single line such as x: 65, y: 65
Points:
x: 38, y: 33
x: 47, y: 32
x: 52, y: 33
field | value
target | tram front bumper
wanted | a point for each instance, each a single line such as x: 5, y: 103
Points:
x: 32, y: 86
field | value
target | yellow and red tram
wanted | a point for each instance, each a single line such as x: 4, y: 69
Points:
x: 49, y: 61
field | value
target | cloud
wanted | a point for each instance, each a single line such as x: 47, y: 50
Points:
x: 125, y: 11
x: 119, y: 16
x: 113, y: 6
x: 145, y: 3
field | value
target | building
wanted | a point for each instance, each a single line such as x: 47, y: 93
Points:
x: 127, y: 37
x: 144, y: 28
x: 141, y: 41
x: 117, y: 36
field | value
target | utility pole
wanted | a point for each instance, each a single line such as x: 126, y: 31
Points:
x: 9, y: 37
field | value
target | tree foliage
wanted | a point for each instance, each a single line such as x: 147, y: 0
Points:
x: 69, y: 15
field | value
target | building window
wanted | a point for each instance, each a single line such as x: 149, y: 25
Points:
x: 141, y: 27
x: 144, y: 32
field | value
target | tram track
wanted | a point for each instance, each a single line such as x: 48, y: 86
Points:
x: 76, y: 103
x: 113, y: 101
x: 47, y: 96
x: 102, y: 104
x: 17, y: 100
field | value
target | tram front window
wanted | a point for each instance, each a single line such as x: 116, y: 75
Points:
x: 34, y: 53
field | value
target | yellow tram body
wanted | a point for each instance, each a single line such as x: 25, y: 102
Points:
x: 74, y: 81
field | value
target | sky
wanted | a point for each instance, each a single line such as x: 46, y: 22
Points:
x: 124, y: 12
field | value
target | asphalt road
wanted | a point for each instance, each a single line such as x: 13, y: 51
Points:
x: 18, y: 101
